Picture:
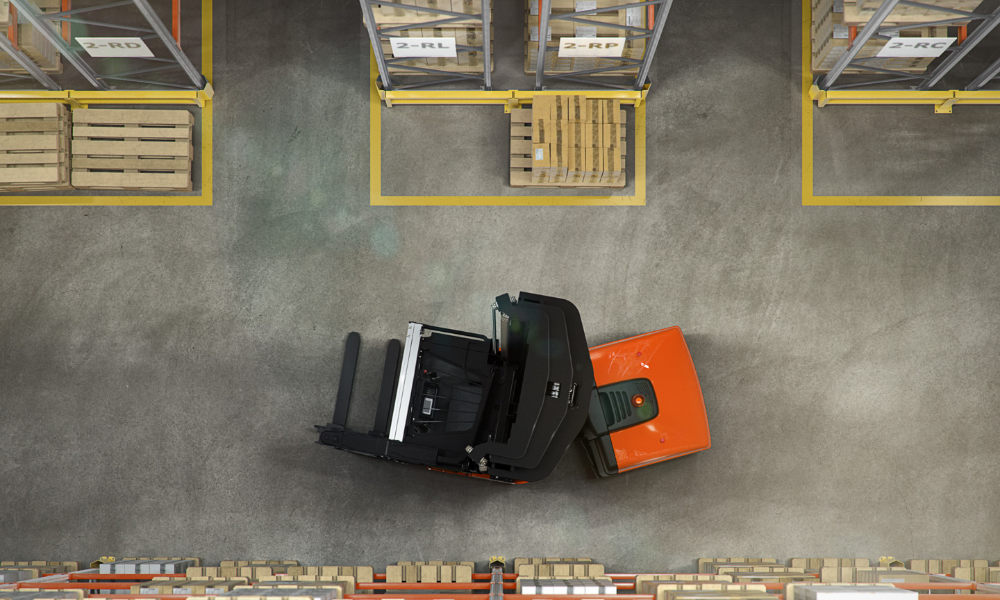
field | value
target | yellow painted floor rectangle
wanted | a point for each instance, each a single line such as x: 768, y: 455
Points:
x: 808, y: 197
x: 375, y: 156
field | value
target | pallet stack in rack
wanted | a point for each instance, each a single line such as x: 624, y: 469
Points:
x: 29, y: 40
x: 834, y: 20
x: 132, y: 149
x: 465, y: 32
x: 568, y: 141
x: 603, y: 26
x: 34, y: 147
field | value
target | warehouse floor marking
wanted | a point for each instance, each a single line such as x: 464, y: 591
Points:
x: 204, y: 199
x: 375, y: 156
x: 808, y: 199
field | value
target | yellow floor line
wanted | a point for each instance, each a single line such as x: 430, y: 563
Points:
x: 808, y: 198
x: 204, y: 199
x: 375, y: 158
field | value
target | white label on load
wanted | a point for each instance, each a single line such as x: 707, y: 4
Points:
x: 838, y: 6
x: 539, y: 154
x: 420, y: 47
x: 586, y: 31
x: 916, y: 47
x: 633, y: 16
x: 580, y: 46
x: 582, y: 5
x: 534, y: 34
x: 121, y: 47
x: 840, y: 32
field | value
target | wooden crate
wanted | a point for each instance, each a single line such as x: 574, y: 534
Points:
x: 520, y: 155
x: 132, y: 149
x: 34, y: 147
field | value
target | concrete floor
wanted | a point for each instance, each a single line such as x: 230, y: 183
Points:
x: 161, y: 369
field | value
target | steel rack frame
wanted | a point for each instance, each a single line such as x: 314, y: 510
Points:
x: 826, y: 90
x: 29, y: 12
x: 379, y: 34
x: 586, y: 77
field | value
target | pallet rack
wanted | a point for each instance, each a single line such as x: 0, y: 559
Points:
x: 379, y: 34
x: 888, y: 21
x: 495, y: 585
x: 54, y: 27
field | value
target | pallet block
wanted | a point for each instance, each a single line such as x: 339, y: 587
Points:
x: 132, y: 149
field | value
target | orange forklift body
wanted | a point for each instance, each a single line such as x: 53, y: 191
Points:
x: 681, y: 425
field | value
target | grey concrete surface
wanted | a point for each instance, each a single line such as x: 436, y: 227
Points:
x: 161, y: 369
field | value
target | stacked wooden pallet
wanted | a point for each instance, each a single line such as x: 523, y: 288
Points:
x: 34, y: 147
x: 603, y: 26
x: 29, y: 40
x: 465, y: 32
x: 832, y: 21
x: 132, y: 149
x: 568, y: 141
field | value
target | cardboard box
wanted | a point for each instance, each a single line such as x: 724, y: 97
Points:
x: 593, y: 111
x: 574, y: 174
x: 815, y: 564
x: 707, y: 565
x: 612, y: 165
x: 592, y: 135
x: 611, y: 111
x: 577, y: 109
x: 560, y: 108
x: 592, y: 174
x: 646, y: 583
x: 575, y: 138
x: 541, y: 108
x: 611, y: 138
x: 542, y: 132
x: 540, y: 163
x: 558, y: 167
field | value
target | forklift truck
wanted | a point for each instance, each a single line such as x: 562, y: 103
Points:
x: 507, y: 408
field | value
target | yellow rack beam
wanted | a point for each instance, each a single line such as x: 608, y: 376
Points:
x: 82, y: 99
x: 509, y: 99
x: 942, y: 101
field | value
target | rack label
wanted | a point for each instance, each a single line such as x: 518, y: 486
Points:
x: 418, y: 47
x: 122, y: 47
x: 607, y: 47
x: 916, y: 47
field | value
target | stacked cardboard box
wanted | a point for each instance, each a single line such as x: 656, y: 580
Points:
x: 646, y: 584
x: 348, y: 581
x: 945, y: 566
x: 815, y: 564
x: 34, y: 149
x: 561, y: 570
x: 259, y: 563
x: 465, y: 32
x: 711, y: 565
x: 852, y: 574
x: 602, y: 25
x: 362, y: 574
x: 190, y: 586
x: 575, y: 141
x: 540, y: 561
x: 832, y: 20
x: 29, y: 40
x: 434, y: 571
x: 44, y: 567
x: 250, y: 573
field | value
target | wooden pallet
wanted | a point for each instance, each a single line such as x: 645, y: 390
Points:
x: 34, y: 147
x: 520, y: 155
x: 132, y: 149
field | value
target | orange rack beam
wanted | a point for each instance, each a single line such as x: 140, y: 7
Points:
x: 475, y: 585
x: 114, y: 576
